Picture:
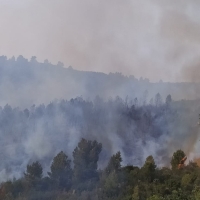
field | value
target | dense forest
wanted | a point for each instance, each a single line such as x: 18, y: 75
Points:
x: 85, y: 181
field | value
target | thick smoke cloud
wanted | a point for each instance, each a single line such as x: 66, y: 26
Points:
x: 133, y: 37
x: 40, y: 132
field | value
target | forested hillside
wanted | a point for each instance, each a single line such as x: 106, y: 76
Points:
x: 24, y: 83
x: 68, y: 134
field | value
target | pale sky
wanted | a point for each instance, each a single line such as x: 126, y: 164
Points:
x: 156, y: 39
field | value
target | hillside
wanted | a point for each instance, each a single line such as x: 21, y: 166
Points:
x: 24, y: 83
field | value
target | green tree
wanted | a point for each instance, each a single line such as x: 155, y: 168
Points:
x: 33, y: 175
x: 34, y: 171
x: 155, y: 197
x: 61, y: 171
x: 149, y: 168
x: 196, y: 193
x: 114, y: 163
x: 176, y: 158
x: 111, y: 186
x: 136, y: 195
x: 158, y: 100
x: 178, y: 195
x: 186, y: 180
x: 86, y: 156
x: 168, y: 100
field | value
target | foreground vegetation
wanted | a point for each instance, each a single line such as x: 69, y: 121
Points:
x: 85, y: 181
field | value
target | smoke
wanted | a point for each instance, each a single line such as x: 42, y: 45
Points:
x: 132, y: 37
x: 155, y: 39
x: 40, y: 132
x: 191, y: 71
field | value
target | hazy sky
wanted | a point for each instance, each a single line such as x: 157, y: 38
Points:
x: 157, y: 39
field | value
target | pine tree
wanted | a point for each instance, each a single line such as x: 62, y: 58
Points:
x: 86, y: 156
x: 61, y: 171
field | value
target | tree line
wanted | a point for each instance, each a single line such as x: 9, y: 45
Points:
x: 20, y: 75
x: 82, y: 179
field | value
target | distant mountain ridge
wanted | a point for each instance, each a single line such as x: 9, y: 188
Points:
x: 24, y: 83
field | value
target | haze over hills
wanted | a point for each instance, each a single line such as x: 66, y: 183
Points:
x: 46, y: 108
x: 107, y: 128
x: 154, y: 39
x: 24, y: 83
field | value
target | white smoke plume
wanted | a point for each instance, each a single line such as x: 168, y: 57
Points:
x: 153, y: 39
